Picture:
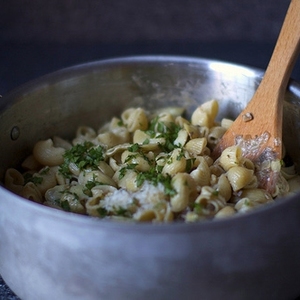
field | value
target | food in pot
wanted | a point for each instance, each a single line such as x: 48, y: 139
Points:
x: 148, y: 166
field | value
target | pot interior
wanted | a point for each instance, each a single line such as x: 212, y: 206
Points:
x: 91, y: 94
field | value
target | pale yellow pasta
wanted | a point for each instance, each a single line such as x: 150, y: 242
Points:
x: 106, y: 169
x: 201, y: 118
x: 281, y: 187
x: 149, y: 167
x: 61, y: 180
x: 48, y: 155
x: 203, y: 131
x: 181, y: 138
x: 61, y: 143
x: 14, y: 180
x: 225, y: 212
x: 113, y: 164
x: 239, y: 177
x: 31, y: 192
x: 117, y: 150
x: 192, y: 130
x: 182, y: 122
x: 208, y: 159
x: 252, y: 199
x: 165, y: 118
x: 30, y: 163
x: 87, y: 132
x: 115, y: 125
x: 185, y: 188
x: 253, y: 184
x: 196, y: 146
x: 214, y: 135
x: 139, y: 137
x: 128, y: 181
x: 47, y: 179
x: 84, y: 134
x: 73, y: 198
x: 141, y: 162
x: 210, y: 201
x: 174, y: 111
x: 247, y: 163
x: 175, y: 164
x: 93, y: 204
x: 111, y: 139
x: 135, y: 118
x: 53, y: 195
x: 169, y: 215
x: 216, y: 170
x: 257, y: 195
x: 205, y: 114
x: 223, y: 187
x: 74, y: 169
x: 112, y: 134
x: 226, y: 123
x: 201, y: 174
x: 230, y: 157
x: 146, y: 215
x: 158, y: 213
x: 95, y: 176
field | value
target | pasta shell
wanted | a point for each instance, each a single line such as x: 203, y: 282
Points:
x: 239, y: 177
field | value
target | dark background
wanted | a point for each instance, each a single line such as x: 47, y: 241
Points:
x: 38, y: 37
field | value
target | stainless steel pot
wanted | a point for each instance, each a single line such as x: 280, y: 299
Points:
x: 50, y: 254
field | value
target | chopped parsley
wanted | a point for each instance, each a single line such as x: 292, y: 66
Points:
x: 102, y: 212
x: 85, y: 155
x: 89, y: 185
x: 123, y: 170
x: 65, y: 205
x: 120, y: 211
x: 30, y: 178
x: 198, y: 208
x: 158, y: 129
x: 189, y: 164
x: 134, y: 148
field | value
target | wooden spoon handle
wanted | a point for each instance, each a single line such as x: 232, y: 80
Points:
x: 285, y: 54
x: 266, y: 107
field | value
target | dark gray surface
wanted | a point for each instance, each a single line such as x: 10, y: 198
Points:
x: 104, y: 21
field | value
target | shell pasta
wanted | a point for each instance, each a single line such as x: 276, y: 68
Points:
x: 147, y: 167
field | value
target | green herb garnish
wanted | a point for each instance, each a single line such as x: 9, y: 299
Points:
x: 102, y: 212
x: 30, y: 178
x: 85, y: 155
x: 89, y: 185
x: 65, y: 205
x: 134, y: 148
x: 169, y: 132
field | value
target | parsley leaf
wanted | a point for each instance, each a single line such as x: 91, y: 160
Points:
x: 30, y: 178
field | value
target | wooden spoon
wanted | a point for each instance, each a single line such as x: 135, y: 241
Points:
x: 260, y: 123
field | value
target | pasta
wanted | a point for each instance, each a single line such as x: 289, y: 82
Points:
x: 148, y: 167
